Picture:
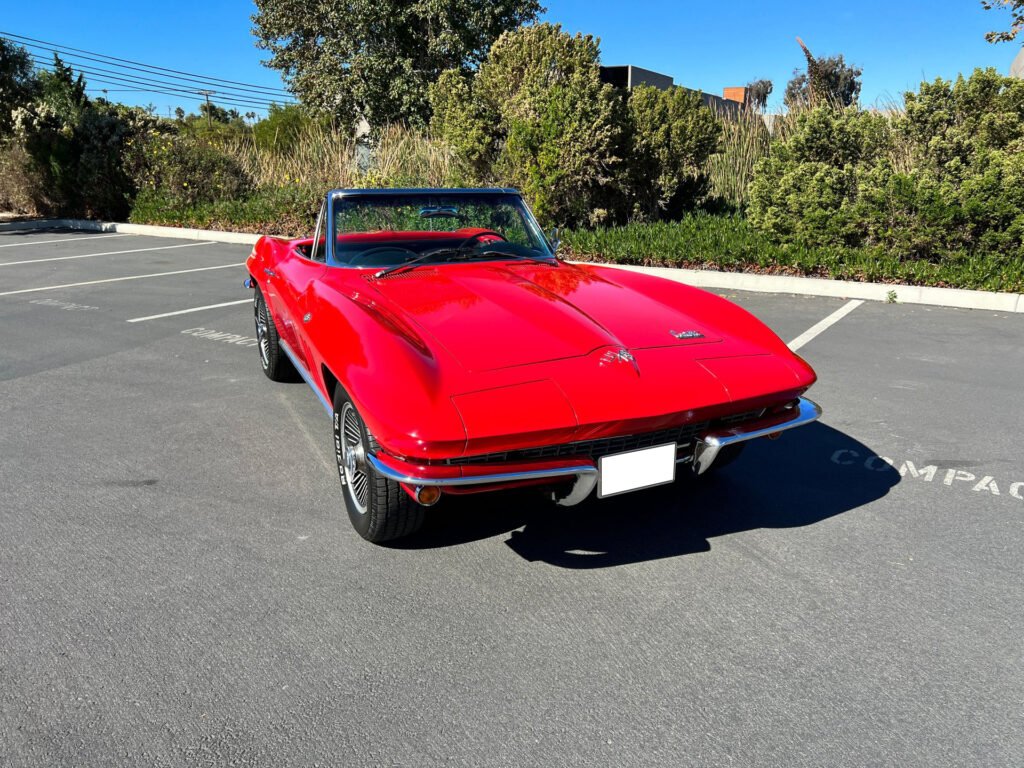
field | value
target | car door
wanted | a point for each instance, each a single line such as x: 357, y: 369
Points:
x: 294, y: 278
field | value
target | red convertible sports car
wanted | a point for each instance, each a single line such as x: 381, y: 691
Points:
x: 456, y: 353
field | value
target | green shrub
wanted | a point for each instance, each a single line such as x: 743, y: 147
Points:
x: 283, y: 127
x: 731, y: 243
x: 671, y: 136
x: 536, y: 116
x: 76, y: 148
x: 943, y: 177
x: 191, y: 170
x: 288, y: 211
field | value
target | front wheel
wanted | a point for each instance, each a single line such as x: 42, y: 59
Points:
x: 378, y: 507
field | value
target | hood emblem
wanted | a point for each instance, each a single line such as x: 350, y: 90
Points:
x: 619, y: 356
x: 687, y: 334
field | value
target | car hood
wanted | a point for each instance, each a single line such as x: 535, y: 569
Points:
x: 492, y: 316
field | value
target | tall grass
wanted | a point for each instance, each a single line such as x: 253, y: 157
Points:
x: 745, y: 140
x: 324, y: 158
x: 406, y: 158
x: 320, y: 157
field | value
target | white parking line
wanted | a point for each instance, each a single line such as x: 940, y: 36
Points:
x: 119, y: 279
x: 108, y: 253
x: 825, y: 324
x: 189, y: 311
x: 78, y: 239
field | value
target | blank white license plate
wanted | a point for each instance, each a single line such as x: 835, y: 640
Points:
x: 633, y: 470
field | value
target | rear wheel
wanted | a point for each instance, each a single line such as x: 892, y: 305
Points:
x: 273, y: 360
x: 378, y: 507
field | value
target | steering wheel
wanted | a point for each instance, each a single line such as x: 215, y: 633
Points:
x: 483, y: 233
x: 385, y: 249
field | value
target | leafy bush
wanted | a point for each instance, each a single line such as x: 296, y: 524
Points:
x: 289, y: 211
x: 76, y: 147
x: 465, y: 124
x: 943, y: 177
x: 672, y: 135
x: 18, y: 83
x: 536, y: 116
x: 282, y: 128
x: 190, y: 170
x: 730, y: 243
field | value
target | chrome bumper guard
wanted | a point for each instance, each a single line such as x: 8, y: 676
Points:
x: 709, y: 445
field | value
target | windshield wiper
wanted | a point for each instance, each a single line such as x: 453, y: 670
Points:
x: 409, y: 263
x: 464, y: 251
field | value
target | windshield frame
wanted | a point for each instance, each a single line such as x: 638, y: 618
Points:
x: 335, y: 197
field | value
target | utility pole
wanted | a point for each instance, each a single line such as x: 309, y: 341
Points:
x: 207, y: 94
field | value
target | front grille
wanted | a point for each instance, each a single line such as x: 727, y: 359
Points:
x: 605, y: 446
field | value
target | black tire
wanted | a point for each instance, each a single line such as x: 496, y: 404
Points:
x: 378, y: 507
x: 273, y: 360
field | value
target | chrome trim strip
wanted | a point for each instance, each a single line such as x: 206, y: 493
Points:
x: 504, y: 477
x: 306, y: 376
x: 370, y: 192
x: 709, y: 445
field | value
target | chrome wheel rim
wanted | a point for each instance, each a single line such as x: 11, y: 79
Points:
x: 262, y: 337
x: 354, y: 458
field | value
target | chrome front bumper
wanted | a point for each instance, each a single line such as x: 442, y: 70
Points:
x: 709, y: 445
x: 585, y: 473
x: 552, y: 473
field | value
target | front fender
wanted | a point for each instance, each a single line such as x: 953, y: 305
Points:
x: 393, y: 376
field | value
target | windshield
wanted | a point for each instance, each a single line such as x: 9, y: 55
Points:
x: 389, y: 230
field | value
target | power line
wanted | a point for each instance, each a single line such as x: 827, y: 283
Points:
x: 254, y: 92
x: 166, y: 88
x: 188, y: 94
x: 56, y: 47
x: 102, y: 72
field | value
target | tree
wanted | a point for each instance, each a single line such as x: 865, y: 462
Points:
x: 219, y: 114
x: 758, y: 92
x: 282, y: 127
x: 827, y: 81
x: 1016, y: 19
x: 672, y: 136
x: 537, y: 116
x: 375, y: 59
x: 17, y: 82
x: 77, y: 147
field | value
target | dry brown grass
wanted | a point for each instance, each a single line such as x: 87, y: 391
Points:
x: 320, y: 157
x: 17, y: 186
x: 325, y: 158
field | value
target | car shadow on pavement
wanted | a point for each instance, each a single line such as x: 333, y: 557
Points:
x: 787, y: 483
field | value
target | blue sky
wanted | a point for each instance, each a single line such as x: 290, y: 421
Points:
x: 704, y: 45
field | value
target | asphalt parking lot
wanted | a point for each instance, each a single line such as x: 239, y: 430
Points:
x: 179, y: 583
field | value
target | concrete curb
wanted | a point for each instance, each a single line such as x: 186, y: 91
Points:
x: 846, y: 289
x: 148, y: 230
x: 737, y: 281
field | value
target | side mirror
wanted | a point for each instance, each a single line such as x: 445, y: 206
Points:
x: 553, y: 240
